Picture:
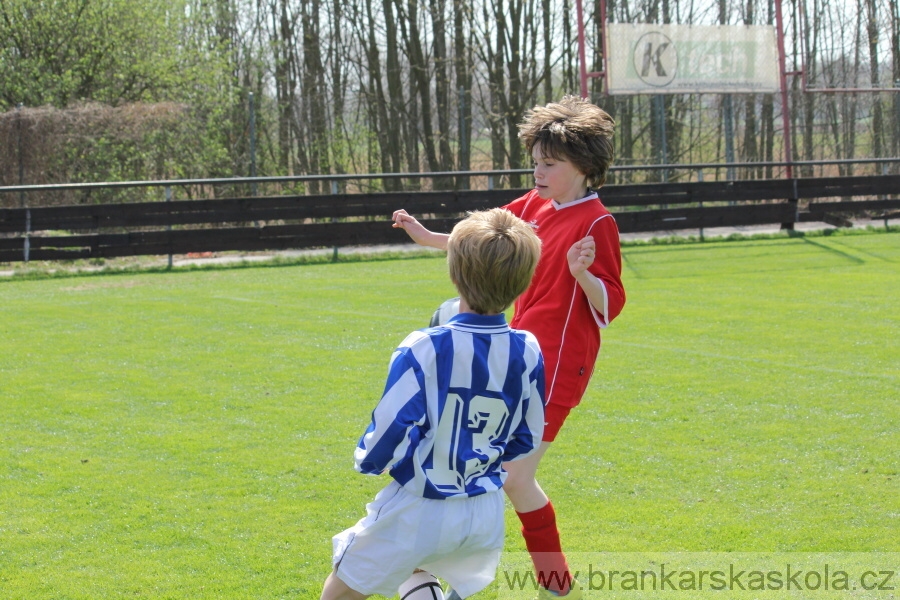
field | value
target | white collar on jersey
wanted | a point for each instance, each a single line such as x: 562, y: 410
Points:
x: 592, y: 195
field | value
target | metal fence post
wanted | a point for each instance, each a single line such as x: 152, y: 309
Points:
x: 253, y: 186
x: 658, y: 107
x: 728, y: 118
x: 334, y: 191
x: 884, y: 169
x: 169, y: 226
x: 26, y: 244
x: 700, y: 179
x: 26, y: 249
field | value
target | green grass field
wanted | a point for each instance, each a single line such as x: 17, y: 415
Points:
x: 190, y: 434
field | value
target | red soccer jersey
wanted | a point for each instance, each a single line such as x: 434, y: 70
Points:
x: 555, y: 308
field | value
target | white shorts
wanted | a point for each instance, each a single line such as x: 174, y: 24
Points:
x: 458, y: 539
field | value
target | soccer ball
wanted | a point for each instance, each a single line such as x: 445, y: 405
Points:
x: 447, y: 309
x: 421, y: 586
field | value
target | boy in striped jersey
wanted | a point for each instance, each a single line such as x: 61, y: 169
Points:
x: 460, y: 400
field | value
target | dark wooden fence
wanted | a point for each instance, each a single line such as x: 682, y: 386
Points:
x: 287, y: 222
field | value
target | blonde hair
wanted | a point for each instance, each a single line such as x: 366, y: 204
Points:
x: 492, y: 255
x: 575, y: 130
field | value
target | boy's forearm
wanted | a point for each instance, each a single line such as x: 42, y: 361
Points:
x: 594, y: 290
x: 436, y: 240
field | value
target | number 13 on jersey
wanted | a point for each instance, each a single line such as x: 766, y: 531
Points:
x: 459, y: 458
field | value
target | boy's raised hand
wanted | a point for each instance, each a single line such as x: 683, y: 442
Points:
x: 405, y: 221
x: 581, y: 255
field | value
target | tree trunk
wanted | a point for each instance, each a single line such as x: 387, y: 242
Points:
x: 462, y: 52
x: 895, y: 56
x: 339, y: 146
x: 877, y: 116
x: 441, y: 60
x: 315, y: 91
x: 767, y: 117
x: 496, y: 83
x: 624, y: 113
x: 419, y: 70
x: 394, y: 101
x: 285, y: 85
x: 377, y: 102
x: 514, y: 109
x: 546, y: 21
x: 811, y: 34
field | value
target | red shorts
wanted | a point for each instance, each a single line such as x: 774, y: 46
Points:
x: 554, y: 417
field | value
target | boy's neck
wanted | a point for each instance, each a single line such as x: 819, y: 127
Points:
x: 587, y: 192
x: 464, y: 308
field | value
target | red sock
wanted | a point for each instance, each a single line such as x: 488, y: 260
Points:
x: 542, y: 540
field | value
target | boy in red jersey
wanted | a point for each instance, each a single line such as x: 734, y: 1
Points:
x: 576, y: 291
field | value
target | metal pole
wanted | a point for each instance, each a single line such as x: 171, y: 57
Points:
x: 728, y: 117
x: 26, y: 244
x: 461, y: 119
x: 896, y: 118
x: 464, y: 159
x: 786, y: 116
x: 700, y: 179
x: 659, y: 106
x: 884, y: 172
x: 603, y: 32
x: 19, y: 150
x: 169, y: 227
x: 334, y: 191
x: 253, y: 185
x: 582, y: 65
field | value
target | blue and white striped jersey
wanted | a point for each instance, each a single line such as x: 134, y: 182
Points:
x: 459, y: 400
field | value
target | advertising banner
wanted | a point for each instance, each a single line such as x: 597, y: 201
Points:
x: 683, y: 59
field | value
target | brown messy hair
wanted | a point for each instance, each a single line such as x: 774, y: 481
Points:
x: 492, y: 255
x: 574, y: 130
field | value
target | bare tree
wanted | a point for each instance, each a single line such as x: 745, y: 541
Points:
x: 811, y: 34
x: 492, y: 57
x: 405, y: 85
x: 314, y: 112
x: 895, y: 64
x: 546, y: 29
x: 462, y: 48
x: 341, y: 146
x: 421, y: 72
x: 284, y: 41
x: 877, y: 116
x: 750, y: 152
x: 442, y: 82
